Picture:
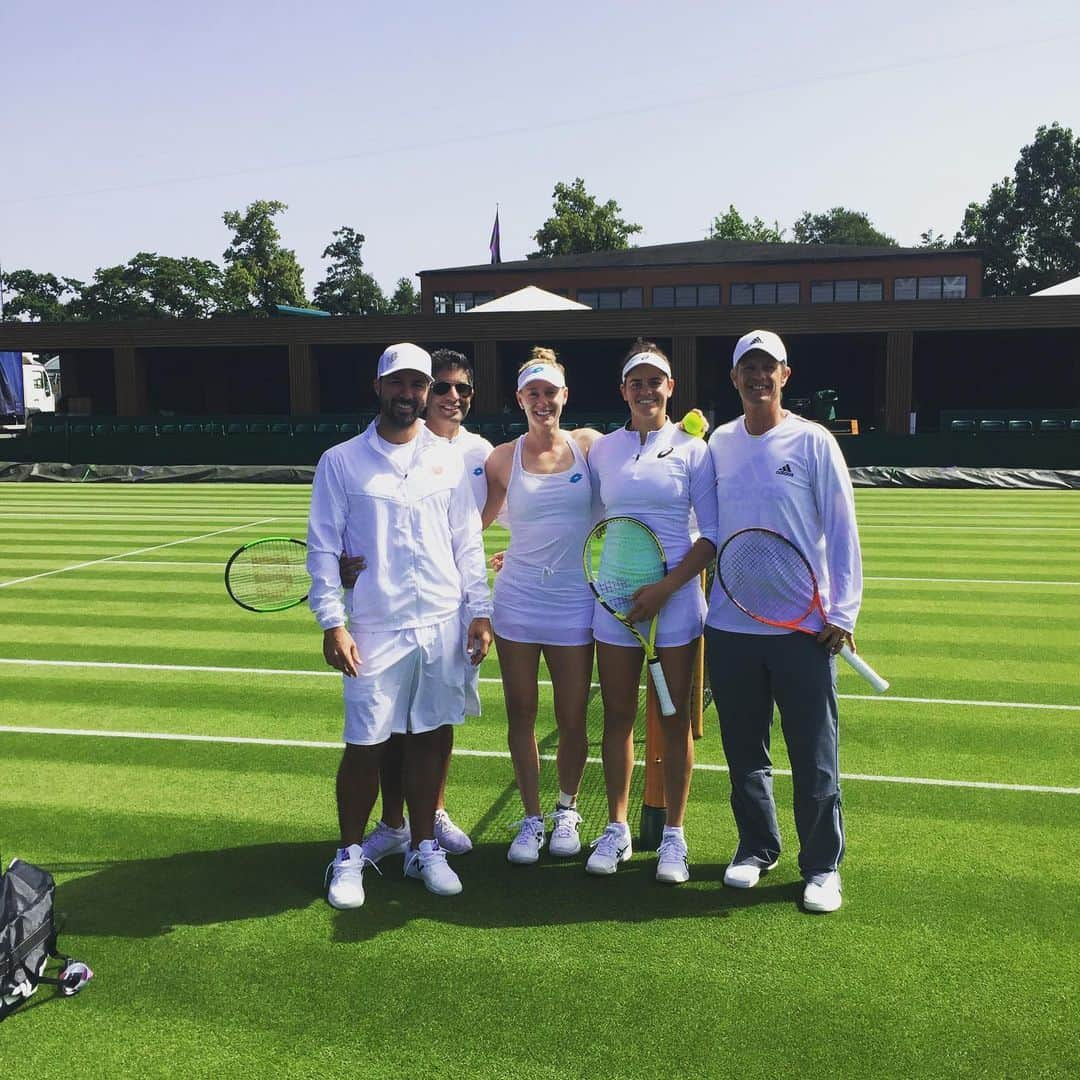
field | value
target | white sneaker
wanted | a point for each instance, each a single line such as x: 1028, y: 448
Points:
x: 452, y: 838
x: 345, y: 878
x: 428, y: 863
x: 526, y: 846
x: 383, y: 840
x: 610, y: 848
x: 824, y: 895
x: 673, y: 866
x: 745, y: 875
x: 564, y: 841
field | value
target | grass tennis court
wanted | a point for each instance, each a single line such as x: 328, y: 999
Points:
x: 191, y: 870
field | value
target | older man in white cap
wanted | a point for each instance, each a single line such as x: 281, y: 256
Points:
x: 402, y: 496
x: 777, y: 471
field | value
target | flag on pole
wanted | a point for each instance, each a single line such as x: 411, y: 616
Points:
x: 493, y: 246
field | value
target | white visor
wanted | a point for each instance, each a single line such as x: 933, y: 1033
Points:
x: 546, y: 372
x: 652, y: 358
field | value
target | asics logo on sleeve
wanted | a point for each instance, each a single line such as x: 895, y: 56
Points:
x: 785, y: 470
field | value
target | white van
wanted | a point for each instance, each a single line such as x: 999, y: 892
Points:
x: 37, y: 392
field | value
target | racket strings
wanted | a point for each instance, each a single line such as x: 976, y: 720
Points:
x: 625, y: 559
x: 767, y: 577
x: 269, y: 572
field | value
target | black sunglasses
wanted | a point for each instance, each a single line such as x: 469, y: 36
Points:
x: 464, y: 389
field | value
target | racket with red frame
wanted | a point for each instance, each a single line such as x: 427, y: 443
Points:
x: 768, y: 578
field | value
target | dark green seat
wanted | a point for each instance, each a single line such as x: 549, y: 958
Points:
x: 145, y: 429
x: 1020, y: 427
x: 80, y: 429
x: 103, y: 429
x: 1074, y: 425
x: 516, y: 428
x: 281, y: 429
x: 168, y: 429
x: 1052, y: 425
x: 257, y: 427
x: 326, y: 429
x: 992, y: 427
x: 122, y: 429
x: 234, y: 429
x: 303, y: 429
x: 191, y: 429
x: 962, y: 427
x: 350, y: 428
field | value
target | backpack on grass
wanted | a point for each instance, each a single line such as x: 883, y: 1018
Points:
x: 28, y: 938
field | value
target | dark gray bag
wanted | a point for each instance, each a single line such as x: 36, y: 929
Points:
x: 28, y: 938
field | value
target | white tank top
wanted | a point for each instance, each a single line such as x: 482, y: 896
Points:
x: 549, y: 516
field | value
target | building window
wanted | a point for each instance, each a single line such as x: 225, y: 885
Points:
x: 845, y: 292
x: 607, y: 299
x: 765, y: 292
x: 458, y: 302
x: 953, y: 287
x: 904, y: 288
x: 686, y: 296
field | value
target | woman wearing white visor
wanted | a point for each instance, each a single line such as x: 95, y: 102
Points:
x: 543, y: 605
x: 653, y: 471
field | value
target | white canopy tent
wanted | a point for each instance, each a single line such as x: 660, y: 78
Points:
x: 1064, y: 288
x: 529, y: 298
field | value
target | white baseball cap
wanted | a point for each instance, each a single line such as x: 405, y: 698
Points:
x: 654, y: 359
x: 760, y: 341
x: 404, y: 357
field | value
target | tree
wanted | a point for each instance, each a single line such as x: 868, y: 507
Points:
x: 733, y: 226
x: 151, y: 286
x: 37, y: 297
x: 259, y: 272
x: 930, y: 239
x: 581, y: 224
x: 405, y: 301
x: 839, y: 226
x: 1029, y: 225
x: 347, y: 289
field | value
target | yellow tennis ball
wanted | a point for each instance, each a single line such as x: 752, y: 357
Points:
x: 693, y: 425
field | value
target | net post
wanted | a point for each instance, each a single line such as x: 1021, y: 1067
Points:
x: 653, y: 802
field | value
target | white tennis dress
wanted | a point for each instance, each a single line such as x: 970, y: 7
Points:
x: 541, y: 596
x: 659, y: 482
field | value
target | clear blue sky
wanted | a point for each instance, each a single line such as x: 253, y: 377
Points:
x: 129, y: 126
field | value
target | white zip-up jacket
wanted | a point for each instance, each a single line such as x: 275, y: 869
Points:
x: 417, y: 526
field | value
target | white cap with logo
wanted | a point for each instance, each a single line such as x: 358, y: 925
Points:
x: 760, y: 341
x: 404, y: 357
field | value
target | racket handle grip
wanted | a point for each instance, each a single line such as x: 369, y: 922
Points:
x: 663, y: 695
x: 861, y: 667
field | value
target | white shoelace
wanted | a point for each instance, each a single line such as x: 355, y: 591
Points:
x: 425, y: 859
x: 350, y: 869
x: 535, y: 827
x: 672, y: 849
x: 609, y: 842
x: 565, y: 821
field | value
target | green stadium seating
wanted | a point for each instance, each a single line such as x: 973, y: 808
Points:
x: 1051, y: 425
x: 146, y: 429
x: 281, y: 429
x: 992, y: 427
x: 168, y: 429
x: 234, y: 429
x: 191, y: 429
x: 1020, y: 427
x: 257, y: 427
x: 516, y: 428
x: 80, y: 429
x: 962, y: 427
x: 122, y: 429
x: 303, y: 429
x: 614, y: 425
x: 349, y: 428
x: 1074, y: 425
x: 103, y: 429
x: 326, y: 429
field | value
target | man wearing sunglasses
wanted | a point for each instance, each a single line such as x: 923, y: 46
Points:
x: 449, y: 401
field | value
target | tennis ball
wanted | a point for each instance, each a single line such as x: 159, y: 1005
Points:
x: 693, y: 424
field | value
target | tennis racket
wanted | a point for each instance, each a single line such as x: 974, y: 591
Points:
x: 269, y: 574
x: 621, y: 555
x: 768, y: 578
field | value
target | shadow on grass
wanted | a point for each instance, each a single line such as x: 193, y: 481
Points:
x: 145, y: 898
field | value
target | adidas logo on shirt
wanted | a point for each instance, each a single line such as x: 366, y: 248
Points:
x: 785, y: 470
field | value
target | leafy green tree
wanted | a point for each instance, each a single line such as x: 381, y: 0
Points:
x: 151, y: 286
x: 405, y: 300
x: 839, y: 226
x: 1029, y: 225
x: 38, y: 297
x: 581, y: 224
x: 930, y: 239
x: 259, y: 272
x: 733, y: 226
x: 347, y: 288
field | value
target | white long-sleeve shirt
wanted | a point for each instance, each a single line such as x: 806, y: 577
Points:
x: 793, y: 480
x: 416, y: 523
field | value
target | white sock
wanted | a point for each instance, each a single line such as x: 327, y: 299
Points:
x: 566, y: 802
x: 674, y: 830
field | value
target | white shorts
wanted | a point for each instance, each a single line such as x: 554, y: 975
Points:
x: 409, y: 682
x: 682, y: 619
x: 472, y: 673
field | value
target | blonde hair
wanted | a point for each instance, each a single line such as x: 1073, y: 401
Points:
x: 542, y: 355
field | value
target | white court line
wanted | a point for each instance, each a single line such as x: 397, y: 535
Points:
x: 129, y: 517
x: 138, y: 551
x: 884, y: 699
x: 972, y: 581
x: 309, y: 744
x: 977, y: 528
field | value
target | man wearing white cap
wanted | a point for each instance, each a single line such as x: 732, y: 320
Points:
x: 402, y: 496
x: 777, y: 471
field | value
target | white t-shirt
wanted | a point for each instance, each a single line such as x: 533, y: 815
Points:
x: 475, y: 450
x: 659, y: 483
x: 793, y: 480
